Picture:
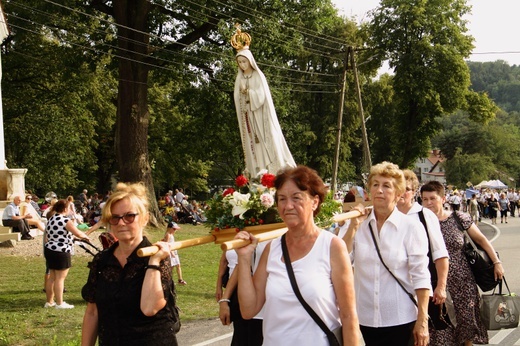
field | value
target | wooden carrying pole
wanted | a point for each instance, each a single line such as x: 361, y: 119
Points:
x: 238, y: 243
x: 218, y: 237
x: 226, y: 237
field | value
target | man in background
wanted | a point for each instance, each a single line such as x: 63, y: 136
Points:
x: 12, y: 218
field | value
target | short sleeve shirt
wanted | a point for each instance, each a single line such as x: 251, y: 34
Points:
x: 10, y: 211
x: 58, y: 237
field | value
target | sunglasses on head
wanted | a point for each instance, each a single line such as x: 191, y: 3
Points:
x: 127, y: 218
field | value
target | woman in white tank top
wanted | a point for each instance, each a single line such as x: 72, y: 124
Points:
x: 321, y: 267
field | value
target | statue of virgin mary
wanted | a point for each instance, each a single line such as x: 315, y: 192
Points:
x: 262, y: 138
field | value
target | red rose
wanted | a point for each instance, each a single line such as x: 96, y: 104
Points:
x: 268, y: 180
x: 228, y: 191
x: 261, y: 221
x: 241, y: 181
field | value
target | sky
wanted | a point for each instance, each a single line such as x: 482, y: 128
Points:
x: 494, y: 25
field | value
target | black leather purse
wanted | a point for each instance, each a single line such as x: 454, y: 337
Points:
x: 481, y: 265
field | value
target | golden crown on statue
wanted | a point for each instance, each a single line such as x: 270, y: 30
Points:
x: 240, y: 40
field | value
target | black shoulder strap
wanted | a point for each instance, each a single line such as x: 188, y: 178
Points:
x: 330, y: 336
x: 431, y: 264
x: 384, y: 264
x: 423, y: 221
x: 459, y: 222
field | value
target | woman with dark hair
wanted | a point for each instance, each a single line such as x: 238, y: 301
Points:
x: 329, y: 290
x: 387, y: 312
x: 461, y: 282
x: 57, y: 250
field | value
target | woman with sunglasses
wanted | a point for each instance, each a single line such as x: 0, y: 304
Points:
x: 131, y: 300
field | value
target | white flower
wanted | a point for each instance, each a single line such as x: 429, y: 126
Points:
x: 262, y: 172
x: 257, y: 188
x: 239, y: 203
x: 267, y: 200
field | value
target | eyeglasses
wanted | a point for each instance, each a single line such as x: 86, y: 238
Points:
x: 28, y: 197
x: 127, y: 218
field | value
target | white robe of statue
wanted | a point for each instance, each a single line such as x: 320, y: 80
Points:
x: 262, y: 138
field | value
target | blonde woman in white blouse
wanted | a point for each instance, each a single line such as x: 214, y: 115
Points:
x: 386, y: 312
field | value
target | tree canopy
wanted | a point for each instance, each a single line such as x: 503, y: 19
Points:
x: 425, y: 43
x: 97, y: 91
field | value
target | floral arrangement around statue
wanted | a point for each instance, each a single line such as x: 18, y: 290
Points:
x: 252, y: 203
x: 249, y: 203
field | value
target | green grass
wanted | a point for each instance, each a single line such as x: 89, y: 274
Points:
x: 24, y: 321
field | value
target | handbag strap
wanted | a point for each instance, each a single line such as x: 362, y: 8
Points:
x: 464, y: 230
x: 500, y: 286
x: 384, y: 264
x: 296, y: 290
x: 431, y: 263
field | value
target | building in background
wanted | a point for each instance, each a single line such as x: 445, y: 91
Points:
x: 430, y: 168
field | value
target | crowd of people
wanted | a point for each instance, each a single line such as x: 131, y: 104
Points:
x: 378, y: 275
x: 176, y: 207
x: 485, y: 203
x: 407, y: 264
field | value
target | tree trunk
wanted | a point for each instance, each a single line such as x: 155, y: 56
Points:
x: 133, y: 117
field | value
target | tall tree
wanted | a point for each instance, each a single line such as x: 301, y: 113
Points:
x: 52, y: 99
x: 425, y: 42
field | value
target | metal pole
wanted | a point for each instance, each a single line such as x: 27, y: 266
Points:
x: 340, y: 122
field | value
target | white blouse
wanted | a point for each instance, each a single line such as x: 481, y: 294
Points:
x: 403, y: 244
x: 434, y: 230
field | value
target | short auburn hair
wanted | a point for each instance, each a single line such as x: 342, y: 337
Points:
x: 306, y: 179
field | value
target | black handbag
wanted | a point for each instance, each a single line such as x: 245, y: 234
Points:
x: 335, y: 337
x: 481, y: 265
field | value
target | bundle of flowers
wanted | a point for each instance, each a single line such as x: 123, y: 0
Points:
x: 249, y: 203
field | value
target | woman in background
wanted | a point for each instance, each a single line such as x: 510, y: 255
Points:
x: 461, y: 282
x: 57, y: 250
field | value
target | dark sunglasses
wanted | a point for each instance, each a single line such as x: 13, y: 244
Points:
x: 127, y: 218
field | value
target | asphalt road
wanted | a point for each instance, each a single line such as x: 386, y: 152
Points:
x: 505, y: 239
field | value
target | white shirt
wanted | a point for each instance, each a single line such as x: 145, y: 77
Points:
x: 434, y: 231
x: 179, y: 197
x: 285, y: 320
x: 11, y: 210
x: 343, y: 229
x: 380, y: 301
x: 455, y: 199
x: 232, y: 259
